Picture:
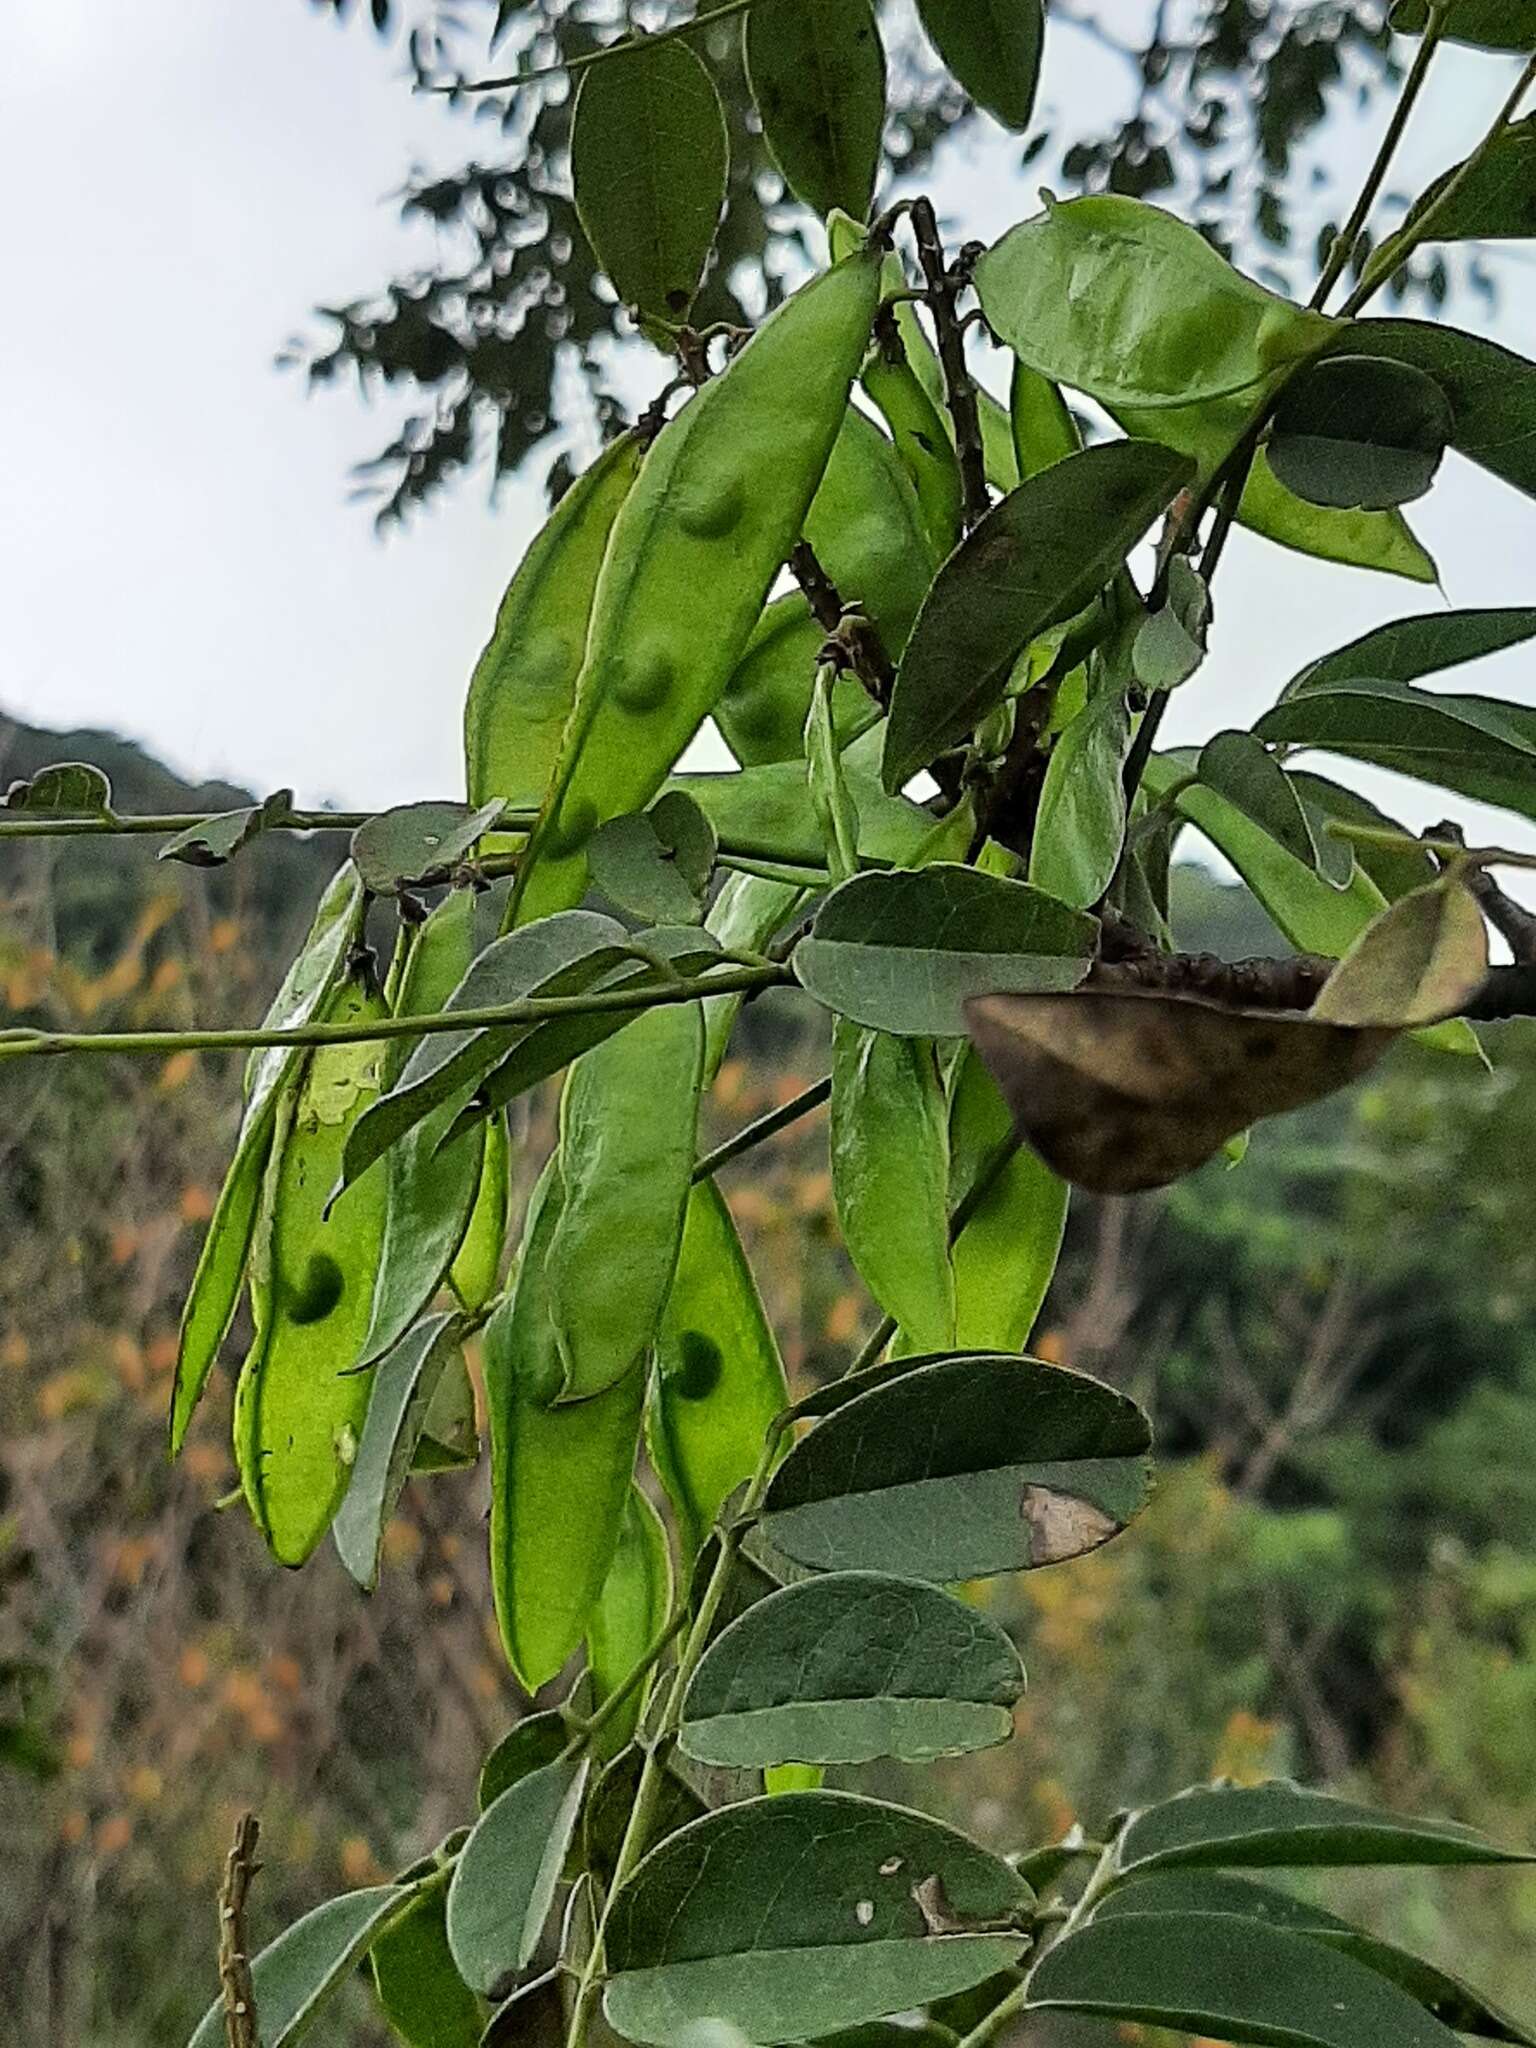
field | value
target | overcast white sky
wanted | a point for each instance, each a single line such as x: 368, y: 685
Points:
x: 180, y: 562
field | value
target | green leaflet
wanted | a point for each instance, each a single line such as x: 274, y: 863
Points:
x: 1005, y: 1256
x: 423, y: 1996
x: 1281, y: 1824
x: 1116, y: 298
x: 527, y: 1746
x: 1035, y: 560
x: 429, y: 1194
x: 1241, y: 769
x: 401, y: 1390
x: 524, y: 683
x: 1423, y: 645
x: 720, y: 502
x: 903, y: 951
x: 850, y: 1667
x: 220, y: 1275
x: 560, y: 1474
x: 1209, y: 432
x: 1494, y: 201
x: 890, y: 1176
x: 294, y: 1975
x: 1492, y: 391
x: 816, y: 69
x: 719, y: 1380
x: 1450, y: 2001
x: 791, y: 1961
x: 627, y: 1145
x: 867, y: 530
x: 629, y: 1616
x: 745, y: 915
x: 504, y: 1880
x: 923, y: 438
x: 477, y: 1263
x: 648, y: 163
x: 1044, y: 430
x: 1080, y: 826
x: 1186, y: 1971
x: 768, y: 812
x: 993, y: 47
x: 956, y: 1467
x: 299, y: 1406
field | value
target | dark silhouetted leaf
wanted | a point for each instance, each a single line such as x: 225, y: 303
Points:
x: 536, y: 1740
x: 993, y: 47
x: 1420, y: 646
x: 648, y: 161
x: 962, y: 1466
x: 1243, y: 770
x: 1036, y: 559
x: 816, y: 69
x: 1493, y: 24
x: 1359, y: 432
x: 1492, y: 391
x: 66, y: 789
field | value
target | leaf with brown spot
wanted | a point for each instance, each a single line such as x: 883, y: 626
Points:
x: 1120, y: 1090
x: 1061, y: 1525
x: 1421, y: 961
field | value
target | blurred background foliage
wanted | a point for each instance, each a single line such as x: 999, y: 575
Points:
x: 1337, y: 1576
x: 508, y: 343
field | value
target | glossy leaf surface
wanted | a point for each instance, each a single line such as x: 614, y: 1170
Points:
x: 960, y: 1467
x: 851, y: 1667
x: 708, y: 1928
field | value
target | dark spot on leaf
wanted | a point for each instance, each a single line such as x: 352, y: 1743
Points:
x: 1061, y: 1526
x: 699, y: 1368
x: 318, y: 1291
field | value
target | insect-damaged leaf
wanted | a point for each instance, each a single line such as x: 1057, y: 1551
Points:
x: 1422, y: 960
x: 1186, y: 1971
x: 504, y: 1880
x: 1281, y: 1824
x: 418, y: 843
x: 648, y: 162
x: 903, y: 951
x: 306, y: 1963
x: 215, y: 840
x: 960, y: 1466
x: 64, y: 789
x: 1454, y: 2004
x: 1037, y: 558
x: 1119, y: 1090
x: 887, y: 1910
x: 816, y: 69
x: 850, y: 1667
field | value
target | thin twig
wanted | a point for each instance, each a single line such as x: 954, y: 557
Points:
x: 1347, y: 240
x: 764, y: 1128
x: 240, y: 1867
x: 513, y: 80
x: 1394, y: 253
x: 853, y: 641
x: 531, y: 1010
x: 959, y: 388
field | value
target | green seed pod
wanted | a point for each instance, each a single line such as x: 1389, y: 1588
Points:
x: 299, y: 1406
x: 560, y: 1474
x: 477, y: 1263
x: 524, y: 683
x: 720, y: 502
x: 719, y: 1379
x: 630, y: 1615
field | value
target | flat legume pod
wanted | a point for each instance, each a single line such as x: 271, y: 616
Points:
x: 720, y: 501
x: 560, y: 1474
x: 299, y: 1409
